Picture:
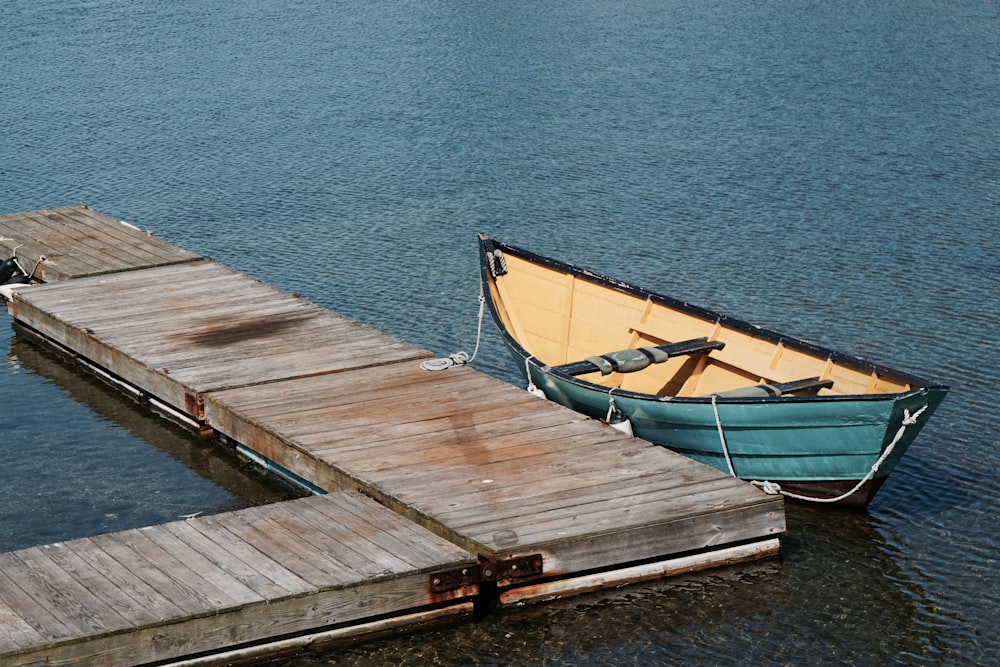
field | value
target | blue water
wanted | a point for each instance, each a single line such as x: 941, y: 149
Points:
x: 829, y: 169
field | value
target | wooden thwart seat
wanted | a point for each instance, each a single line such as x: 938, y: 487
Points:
x: 631, y: 360
x: 778, y: 389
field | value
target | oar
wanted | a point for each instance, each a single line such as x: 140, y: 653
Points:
x: 628, y: 361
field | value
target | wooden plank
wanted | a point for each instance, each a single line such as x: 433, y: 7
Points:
x: 196, y: 316
x: 146, y: 597
x: 422, y: 550
x: 208, y: 569
x: 32, y: 612
x: 709, y: 529
x: 140, y: 242
x: 479, y: 495
x: 424, y: 485
x: 323, y: 410
x: 178, y: 574
x: 35, y: 228
x: 217, y: 632
x: 527, y: 451
x: 411, y: 459
x: 292, y: 533
x: 356, y: 423
x: 88, y: 232
x: 341, y: 549
x: 308, y: 398
x: 33, y: 238
x: 127, y: 308
x: 253, y: 361
x: 433, y: 422
x: 292, y: 566
x: 68, y: 612
x: 245, y: 310
x: 78, y: 241
x: 14, y: 630
x: 201, y: 592
x: 490, y: 430
x: 173, y: 284
x: 128, y: 548
x: 670, y: 567
x: 296, y: 439
x: 346, y: 543
x: 638, y: 509
x: 75, y: 597
x: 472, y: 447
x: 205, y: 349
x: 153, y: 381
x: 96, y: 580
x: 243, y: 562
x: 88, y: 244
x: 318, y: 359
x: 386, y: 524
x: 345, y: 636
x: 571, y: 491
x: 574, y: 495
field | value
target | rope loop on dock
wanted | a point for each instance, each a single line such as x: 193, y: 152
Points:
x: 460, y: 358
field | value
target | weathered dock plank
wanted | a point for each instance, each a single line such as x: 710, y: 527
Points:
x: 77, y: 241
x: 220, y: 329
x: 214, y: 583
x: 70, y: 601
x: 414, y: 442
x: 16, y: 630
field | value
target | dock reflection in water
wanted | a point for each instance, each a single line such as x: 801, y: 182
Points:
x: 126, y: 467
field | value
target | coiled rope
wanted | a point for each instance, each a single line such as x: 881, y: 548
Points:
x: 460, y: 358
x: 773, y: 488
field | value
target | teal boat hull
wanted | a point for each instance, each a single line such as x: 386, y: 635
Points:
x: 817, y: 446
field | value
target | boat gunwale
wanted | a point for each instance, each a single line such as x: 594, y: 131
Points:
x: 918, y: 384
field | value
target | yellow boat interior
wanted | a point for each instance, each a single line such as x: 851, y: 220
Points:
x: 561, y: 318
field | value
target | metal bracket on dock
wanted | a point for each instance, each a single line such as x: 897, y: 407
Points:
x: 518, y: 567
x: 452, y: 580
x: 195, y: 406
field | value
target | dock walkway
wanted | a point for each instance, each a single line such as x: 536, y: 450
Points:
x: 533, y: 500
x: 207, y: 584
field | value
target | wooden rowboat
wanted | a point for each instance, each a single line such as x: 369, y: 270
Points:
x: 761, y: 405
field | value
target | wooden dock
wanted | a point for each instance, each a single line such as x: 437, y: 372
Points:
x: 207, y: 584
x: 501, y: 495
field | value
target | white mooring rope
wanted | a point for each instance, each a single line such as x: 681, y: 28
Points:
x: 459, y: 358
x: 616, y: 418
x: 774, y: 488
x: 531, y: 388
x: 722, y: 436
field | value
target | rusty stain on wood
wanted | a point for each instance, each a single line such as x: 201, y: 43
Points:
x: 228, y: 332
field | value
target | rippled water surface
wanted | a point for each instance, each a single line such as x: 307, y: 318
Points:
x: 829, y: 169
